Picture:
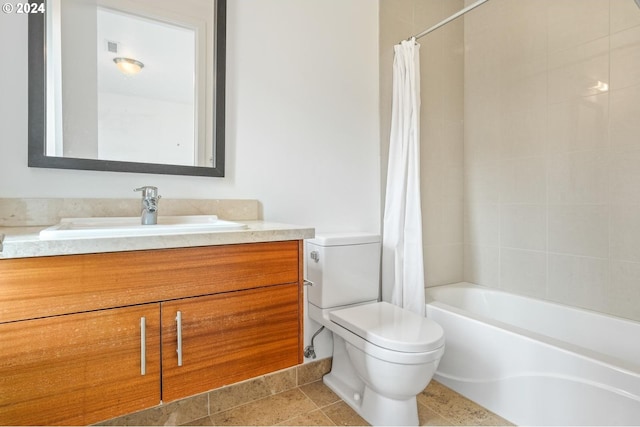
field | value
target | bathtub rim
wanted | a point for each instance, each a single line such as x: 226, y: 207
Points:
x: 612, y: 362
x: 489, y: 289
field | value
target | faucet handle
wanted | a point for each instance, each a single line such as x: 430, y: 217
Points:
x: 148, y: 191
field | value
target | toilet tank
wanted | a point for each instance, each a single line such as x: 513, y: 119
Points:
x: 344, y: 268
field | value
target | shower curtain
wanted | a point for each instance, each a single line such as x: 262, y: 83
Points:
x: 402, y: 262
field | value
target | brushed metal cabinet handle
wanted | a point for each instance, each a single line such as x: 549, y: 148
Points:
x: 143, y: 346
x: 179, y: 336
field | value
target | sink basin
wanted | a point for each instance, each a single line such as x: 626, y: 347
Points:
x: 88, y: 228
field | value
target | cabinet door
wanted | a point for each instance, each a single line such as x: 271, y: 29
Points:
x: 80, y: 368
x: 229, y: 337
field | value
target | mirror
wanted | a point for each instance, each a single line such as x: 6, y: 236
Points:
x: 128, y: 86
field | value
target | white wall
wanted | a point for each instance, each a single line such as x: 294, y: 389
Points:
x: 79, y: 79
x: 302, y: 118
x: 142, y: 129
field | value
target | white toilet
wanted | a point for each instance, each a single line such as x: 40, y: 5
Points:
x: 383, y: 355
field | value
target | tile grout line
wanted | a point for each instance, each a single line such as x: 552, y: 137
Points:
x: 309, y: 397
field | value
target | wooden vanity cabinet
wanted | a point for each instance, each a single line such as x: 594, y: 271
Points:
x: 71, y: 346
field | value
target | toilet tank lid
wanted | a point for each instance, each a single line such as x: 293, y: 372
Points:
x: 342, y: 239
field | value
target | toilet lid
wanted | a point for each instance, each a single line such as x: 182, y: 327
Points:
x: 391, y: 327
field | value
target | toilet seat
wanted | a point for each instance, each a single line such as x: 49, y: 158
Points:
x: 390, y: 327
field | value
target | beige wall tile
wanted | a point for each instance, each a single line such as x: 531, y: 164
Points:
x: 523, y: 227
x: 625, y: 58
x: 431, y: 76
x: 624, y: 171
x: 397, y: 10
x: 578, y: 124
x: 624, y: 14
x: 442, y: 264
x: 579, y: 230
x: 482, y: 181
x: 483, y: 77
x: 442, y: 223
x: 578, y: 281
x: 624, y: 123
x: 482, y: 265
x: 521, y: 84
x: 574, y: 22
x: 576, y: 71
x: 523, y: 180
x: 579, y: 177
x: 623, y: 292
x: 482, y: 224
x: 523, y: 272
x: 524, y: 36
x: 523, y: 133
x: 482, y: 132
x: 625, y: 233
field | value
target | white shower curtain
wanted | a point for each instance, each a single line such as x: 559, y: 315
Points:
x: 402, y: 263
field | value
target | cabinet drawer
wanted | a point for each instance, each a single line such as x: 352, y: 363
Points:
x: 48, y: 286
x: 81, y: 368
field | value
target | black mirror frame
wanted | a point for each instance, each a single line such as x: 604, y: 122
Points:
x: 37, y: 110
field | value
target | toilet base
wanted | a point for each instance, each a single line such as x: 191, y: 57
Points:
x: 377, y: 410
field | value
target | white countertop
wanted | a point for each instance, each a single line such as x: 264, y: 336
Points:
x: 24, y: 242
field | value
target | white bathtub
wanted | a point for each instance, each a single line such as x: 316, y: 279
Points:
x: 535, y: 362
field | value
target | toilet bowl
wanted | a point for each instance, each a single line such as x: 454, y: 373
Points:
x: 377, y: 369
x: 383, y: 355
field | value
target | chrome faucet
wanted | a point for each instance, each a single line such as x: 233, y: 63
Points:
x: 150, y: 200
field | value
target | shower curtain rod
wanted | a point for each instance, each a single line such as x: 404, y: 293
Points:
x: 449, y: 19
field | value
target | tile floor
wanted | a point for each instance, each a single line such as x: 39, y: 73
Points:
x: 314, y: 404
x: 297, y: 397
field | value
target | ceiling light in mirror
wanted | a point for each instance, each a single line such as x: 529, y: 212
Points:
x: 128, y: 66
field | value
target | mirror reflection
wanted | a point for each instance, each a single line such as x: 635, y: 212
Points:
x: 130, y: 85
